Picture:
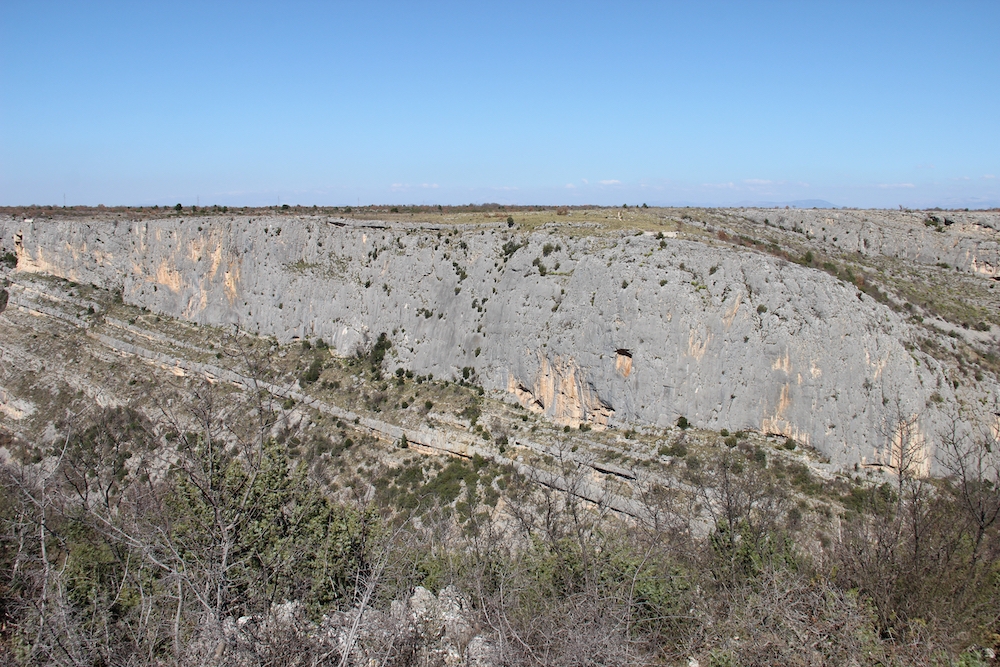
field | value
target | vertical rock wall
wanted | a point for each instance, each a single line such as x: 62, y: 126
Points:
x: 601, y: 330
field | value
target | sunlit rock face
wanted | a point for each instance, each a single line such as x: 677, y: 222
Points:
x: 966, y: 239
x: 601, y: 330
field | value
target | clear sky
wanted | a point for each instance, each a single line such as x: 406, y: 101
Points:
x: 140, y: 103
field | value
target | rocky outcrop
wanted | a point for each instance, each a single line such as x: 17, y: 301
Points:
x: 426, y: 630
x: 967, y: 240
x: 605, y: 330
x: 561, y: 391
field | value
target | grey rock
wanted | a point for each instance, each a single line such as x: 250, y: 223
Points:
x: 624, y: 331
x: 444, y: 626
x: 969, y: 240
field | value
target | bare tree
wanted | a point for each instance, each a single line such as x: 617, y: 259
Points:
x: 971, y: 455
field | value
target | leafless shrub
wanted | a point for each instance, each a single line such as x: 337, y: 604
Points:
x: 196, y: 540
x: 789, y: 619
x: 922, y: 551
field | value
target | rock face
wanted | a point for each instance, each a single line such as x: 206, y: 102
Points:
x: 969, y: 240
x: 444, y: 626
x: 600, y: 330
x: 426, y: 630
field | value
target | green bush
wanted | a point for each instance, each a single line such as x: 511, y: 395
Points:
x: 759, y: 456
x: 471, y: 412
x: 447, y: 484
x: 312, y: 373
x: 509, y: 248
x: 377, y: 354
x: 677, y: 449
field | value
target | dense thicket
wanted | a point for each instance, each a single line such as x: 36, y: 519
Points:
x: 131, y: 543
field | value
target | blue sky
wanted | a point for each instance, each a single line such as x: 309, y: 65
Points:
x: 141, y: 103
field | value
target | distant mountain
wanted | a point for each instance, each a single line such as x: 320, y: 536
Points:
x: 798, y: 203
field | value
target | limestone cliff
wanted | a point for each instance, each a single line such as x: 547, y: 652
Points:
x: 969, y: 240
x: 602, y: 329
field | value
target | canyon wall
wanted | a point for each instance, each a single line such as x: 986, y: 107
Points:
x: 606, y: 330
x: 969, y: 240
